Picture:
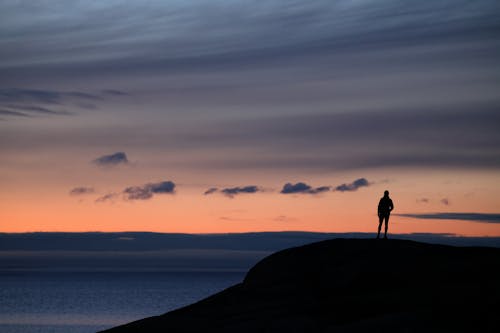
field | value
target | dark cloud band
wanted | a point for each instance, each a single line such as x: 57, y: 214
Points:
x: 30, y: 102
x: 472, y: 217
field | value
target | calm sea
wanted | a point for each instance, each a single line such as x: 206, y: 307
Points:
x: 48, y: 302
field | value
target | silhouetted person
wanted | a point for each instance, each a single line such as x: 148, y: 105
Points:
x: 385, y: 206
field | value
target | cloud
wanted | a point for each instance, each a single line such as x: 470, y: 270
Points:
x: 452, y: 136
x: 300, y: 187
x: 161, y: 187
x: 210, y: 191
x: 232, y: 191
x: 147, y: 191
x: 30, y: 102
x: 36, y: 109
x: 354, y: 186
x: 445, y: 201
x: 14, y: 113
x: 81, y: 190
x: 111, y: 160
x: 303, y: 188
x: 107, y: 197
x: 227, y: 35
x: 16, y: 95
x: 142, y: 192
x: 472, y: 217
x: 284, y: 218
x: 396, y: 100
x: 423, y: 200
x: 137, y: 193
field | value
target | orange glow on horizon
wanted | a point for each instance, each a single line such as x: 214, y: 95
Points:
x: 189, y: 211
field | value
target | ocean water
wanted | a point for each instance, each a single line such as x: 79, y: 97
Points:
x: 85, y: 302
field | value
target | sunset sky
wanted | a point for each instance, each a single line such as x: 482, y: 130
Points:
x: 192, y: 116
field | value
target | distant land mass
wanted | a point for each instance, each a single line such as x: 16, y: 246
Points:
x: 152, y: 241
x: 168, y: 252
x: 351, y: 285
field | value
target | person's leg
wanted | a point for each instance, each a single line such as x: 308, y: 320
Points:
x: 386, y: 225
x: 380, y: 220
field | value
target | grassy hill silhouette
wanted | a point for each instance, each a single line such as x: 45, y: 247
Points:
x: 351, y: 285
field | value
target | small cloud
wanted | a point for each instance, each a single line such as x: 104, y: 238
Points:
x: 303, y: 188
x: 81, y: 190
x: 210, y: 191
x: 423, y: 200
x: 232, y: 191
x: 137, y: 193
x: 284, y: 218
x: 445, y: 201
x: 147, y: 191
x: 107, y: 197
x: 143, y: 192
x: 162, y: 187
x: 111, y: 160
x: 354, y: 186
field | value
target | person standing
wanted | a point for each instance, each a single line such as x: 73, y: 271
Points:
x: 385, y: 206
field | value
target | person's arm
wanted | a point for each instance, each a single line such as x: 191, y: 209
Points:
x: 391, y: 207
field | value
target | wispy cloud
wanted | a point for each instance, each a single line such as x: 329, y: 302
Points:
x: 438, y: 138
x: 32, y: 102
x: 81, y: 190
x: 303, y: 188
x: 472, y: 217
x: 210, y: 190
x: 247, y: 33
x: 14, y: 113
x: 111, y: 160
x: 109, y: 197
x: 36, y: 109
x: 284, y: 218
x: 423, y: 200
x: 16, y: 95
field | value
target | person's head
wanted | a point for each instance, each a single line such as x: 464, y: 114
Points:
x: 386, y: 193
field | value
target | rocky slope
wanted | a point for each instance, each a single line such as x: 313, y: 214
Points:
x: 351, y: 285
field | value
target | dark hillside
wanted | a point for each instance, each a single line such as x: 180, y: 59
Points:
x: 352, y: 285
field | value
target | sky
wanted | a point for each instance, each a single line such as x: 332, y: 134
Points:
x: 233, y: 116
